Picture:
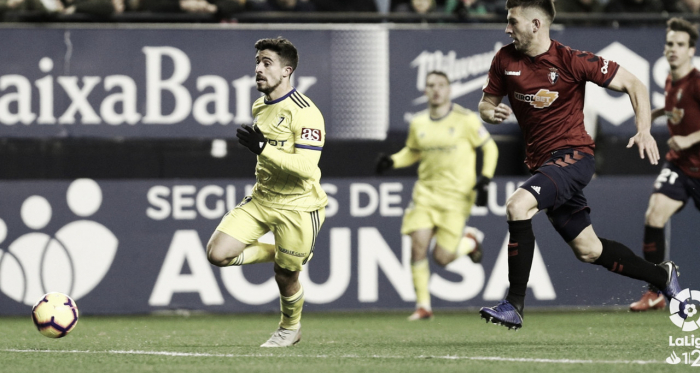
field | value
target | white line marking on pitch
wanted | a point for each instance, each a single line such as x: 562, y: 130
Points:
x: 448, y: 357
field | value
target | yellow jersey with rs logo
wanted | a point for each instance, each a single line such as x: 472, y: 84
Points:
x: 287, y: 173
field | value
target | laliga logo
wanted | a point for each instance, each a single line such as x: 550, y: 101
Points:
x: 683, y: 311
x: 72, y: 260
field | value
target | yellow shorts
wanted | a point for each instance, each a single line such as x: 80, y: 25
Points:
x: 448, y: 225
x: 295, y: 231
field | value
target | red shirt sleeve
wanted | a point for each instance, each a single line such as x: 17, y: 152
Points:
x: 495, y: 84
x: 588, y: 67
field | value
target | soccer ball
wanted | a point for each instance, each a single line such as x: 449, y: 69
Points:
x: 55, y: 315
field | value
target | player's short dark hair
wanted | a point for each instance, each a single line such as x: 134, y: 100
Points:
x: 680, y: 24
x: 547, y: 6
x: 283, y: 47
x: 438, y: 72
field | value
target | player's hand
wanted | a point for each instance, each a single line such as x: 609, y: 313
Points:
x: 646, y: 144
x: 384, y: 162
x: 501, y: 113
x: 252, y: 138
x: 678, y: 143
x: 482, y: 190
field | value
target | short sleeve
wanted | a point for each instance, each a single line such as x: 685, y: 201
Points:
x: 588, y: 67
x: 495, y: 84
x: 309, y: 130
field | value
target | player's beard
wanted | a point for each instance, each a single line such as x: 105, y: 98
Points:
x: 269, y: 88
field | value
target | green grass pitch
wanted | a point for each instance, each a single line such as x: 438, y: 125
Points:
x: 592, y: 341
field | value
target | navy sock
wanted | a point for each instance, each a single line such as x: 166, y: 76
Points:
x: 521, y: 249
x: 618, y: 258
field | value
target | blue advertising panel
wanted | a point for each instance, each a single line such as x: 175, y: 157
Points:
x: 139, y: 246
x: 143, y: 83
x: 178, y: 83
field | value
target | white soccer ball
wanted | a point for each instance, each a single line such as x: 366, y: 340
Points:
x: 55, y: 315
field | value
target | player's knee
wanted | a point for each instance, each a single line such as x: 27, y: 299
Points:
x: 587, y: 252
x: 216, y: 256
x: 587, y: 257
x: 655, y: 218
x: 442, y: 257
x: 284, y: 276
x: 516, y: 208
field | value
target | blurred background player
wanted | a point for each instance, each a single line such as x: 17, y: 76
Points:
x: 545, y: 84
x: 444, y: 139
x: 680, y: 177
x: 287, y: 136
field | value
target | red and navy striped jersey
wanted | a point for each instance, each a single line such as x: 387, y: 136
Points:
x: 546, y: 93
x: 683, y: 110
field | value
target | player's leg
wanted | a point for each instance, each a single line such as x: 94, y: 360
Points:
x: 670, y: 194
x: 418, y: 223
x: 520, y: 208
x: 660, y: 210
x: 420, y: 273
x: 453, y: 239
x: 234, y: 242
x: 562, y: 176
x: 295, y: 235
x: 620, y: 259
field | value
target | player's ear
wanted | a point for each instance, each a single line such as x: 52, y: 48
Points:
x: 536, y: 24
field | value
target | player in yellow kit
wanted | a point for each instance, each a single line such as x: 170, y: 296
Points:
x: 287, y: 136
x: 444, y: 139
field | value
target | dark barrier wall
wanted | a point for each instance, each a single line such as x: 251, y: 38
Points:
x: 184, y: 83
x: 139, y: 246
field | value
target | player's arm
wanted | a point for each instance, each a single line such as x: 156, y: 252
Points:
x: 624, y: 81
x: 489, y: 151
x: 656, y: 113
x: 492, y: 110
x: 678, y: 143
x: 302, y: 163
x: 403, y: 158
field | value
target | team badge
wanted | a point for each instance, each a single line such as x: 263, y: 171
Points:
x: 452, y: 131
x: 553, y: 76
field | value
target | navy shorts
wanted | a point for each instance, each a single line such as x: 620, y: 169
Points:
x: 558, y: 187
x: 675, y: 184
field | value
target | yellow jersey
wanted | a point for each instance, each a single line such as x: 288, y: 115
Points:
x: 287, y: 173
x: 446, y: 150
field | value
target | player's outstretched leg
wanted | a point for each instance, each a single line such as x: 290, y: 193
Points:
x: 504, y: 314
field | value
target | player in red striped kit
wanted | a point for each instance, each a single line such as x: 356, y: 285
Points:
x: 545, y: 84
x: 679, y: 179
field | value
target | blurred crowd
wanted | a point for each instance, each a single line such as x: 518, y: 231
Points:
x: 228, y: 9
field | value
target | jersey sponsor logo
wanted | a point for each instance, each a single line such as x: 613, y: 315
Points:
x: 675, y: 116
x: 604, y: 69
x: 280, y: 121
x: 311, y: 134
x: 553, y: 76
x: 542, y: 99
x: 290, y: 252
x: 514, y: 73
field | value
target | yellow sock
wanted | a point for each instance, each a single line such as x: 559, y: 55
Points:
x: 421, y: 274
x: 291, y: 309
x: 255, y: 253
x: 465, y: 246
